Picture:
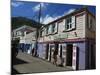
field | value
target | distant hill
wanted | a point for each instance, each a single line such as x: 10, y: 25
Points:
x: 20, y: 21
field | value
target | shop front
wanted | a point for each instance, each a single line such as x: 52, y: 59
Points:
x: 70, y: 54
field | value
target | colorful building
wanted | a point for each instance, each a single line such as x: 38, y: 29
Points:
x: 73, y: 36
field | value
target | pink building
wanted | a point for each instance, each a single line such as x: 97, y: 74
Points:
x: 73, y: 36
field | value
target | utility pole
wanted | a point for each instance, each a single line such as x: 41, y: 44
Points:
x: 37, y: 30
x: 39, y: 14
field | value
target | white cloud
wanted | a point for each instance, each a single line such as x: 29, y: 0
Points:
x: 37, y: 7
x: 49, y: 18
x: 69, y: 11
x: 16, y: 4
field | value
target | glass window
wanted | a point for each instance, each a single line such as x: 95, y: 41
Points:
x: 22, y: 33
x: 49, y: 29
x: 53, y: 28
x: 43, y: 32
x: 70, y: 23
x: 40, y: 33
x: 18, y: 33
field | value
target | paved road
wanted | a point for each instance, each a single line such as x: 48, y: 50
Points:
x: 25, y: 63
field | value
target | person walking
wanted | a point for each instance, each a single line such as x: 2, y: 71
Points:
x: 55, y: 57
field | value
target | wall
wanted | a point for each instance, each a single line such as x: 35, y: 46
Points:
x: 90, y: 32
x: 82, y: 54
x: 80, y: 30
x: 30, y: 38
x: 41, y: 50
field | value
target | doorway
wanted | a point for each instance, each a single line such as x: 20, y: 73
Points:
x: 69, y: 54
x: 61, y: 51
x: 47, y: 51
x: 50, y: 51
x: 92, y: 57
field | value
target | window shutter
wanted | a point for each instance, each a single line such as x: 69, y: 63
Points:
x: 49, y: 30
x: 73, y: 22
x: 90, y: 22
x: 94, y: 24
x: 65, y: 22
x: 44, y: 31
x: 55, y: 28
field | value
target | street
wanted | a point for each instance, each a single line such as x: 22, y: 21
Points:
x: 25, y: 63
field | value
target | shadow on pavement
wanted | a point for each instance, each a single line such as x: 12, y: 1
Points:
x: 14, y: 72
x: 16, y: 61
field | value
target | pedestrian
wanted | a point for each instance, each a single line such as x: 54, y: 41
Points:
x: 61, y: 62
x: 55, y: 57
x: 33, y: 52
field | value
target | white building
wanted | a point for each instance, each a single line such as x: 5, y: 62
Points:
x: 26, y: 36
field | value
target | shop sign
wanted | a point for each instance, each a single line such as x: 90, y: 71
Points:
x: 60, y: 36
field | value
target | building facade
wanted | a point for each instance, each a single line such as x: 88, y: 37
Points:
x: 73, y: 36
x: 26, y: 36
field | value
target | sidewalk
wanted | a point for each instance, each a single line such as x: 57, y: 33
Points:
x: 31, y: 64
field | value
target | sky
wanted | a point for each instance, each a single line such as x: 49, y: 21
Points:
x: 49, y: 11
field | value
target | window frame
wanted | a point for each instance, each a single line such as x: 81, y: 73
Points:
x: 70, y: 23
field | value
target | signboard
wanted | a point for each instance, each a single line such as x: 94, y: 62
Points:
x: 60, y: 36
